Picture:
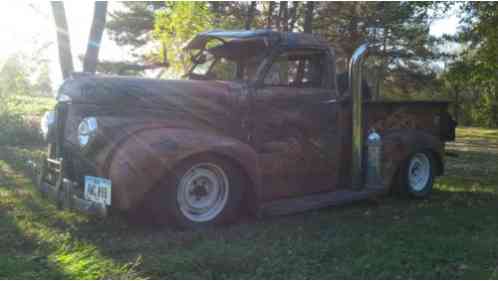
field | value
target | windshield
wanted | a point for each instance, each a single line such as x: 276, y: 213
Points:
x: 215, y: 68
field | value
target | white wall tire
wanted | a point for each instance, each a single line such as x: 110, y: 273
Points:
x: 417, y: 174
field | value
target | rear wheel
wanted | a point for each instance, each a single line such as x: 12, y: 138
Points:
x: 417, y: 175
x: 202, y: 191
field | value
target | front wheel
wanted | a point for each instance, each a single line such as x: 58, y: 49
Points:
x: 417, y: 175
x: 202, y: 191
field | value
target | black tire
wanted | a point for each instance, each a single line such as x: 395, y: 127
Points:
x: 167, y: 207
x: 420, y: 166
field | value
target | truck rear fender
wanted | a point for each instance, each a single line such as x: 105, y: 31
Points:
x: 142, y: 160
x: 398, y: 145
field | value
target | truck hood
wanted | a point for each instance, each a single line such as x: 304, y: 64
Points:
x: 122, y: 91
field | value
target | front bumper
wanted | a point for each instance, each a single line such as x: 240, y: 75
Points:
x: 64, y: 192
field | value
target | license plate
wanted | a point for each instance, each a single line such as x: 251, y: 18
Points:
x: 98, y: 190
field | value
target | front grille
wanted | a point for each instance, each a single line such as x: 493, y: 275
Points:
x: 61, y: 151
x: 60, y: 123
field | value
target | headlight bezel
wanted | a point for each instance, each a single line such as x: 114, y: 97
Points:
x: 63, y: 98
x: 87, y: 131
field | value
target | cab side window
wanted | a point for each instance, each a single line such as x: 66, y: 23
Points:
x: 299, y: 69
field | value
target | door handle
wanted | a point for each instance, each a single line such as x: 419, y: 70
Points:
x: 329, y: 101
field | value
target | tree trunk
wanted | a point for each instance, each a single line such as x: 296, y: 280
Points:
x: 96, y: 31
x: 217, y: 9
x: 381, y: 75
x: 285, y: 16
x: 457, y: 103
x: 308, y: 17
x: 271, y: 7
x: 63, y: 42
x: 308, y: 20
x: 279, y: 17
x: 494, y: 105
x: 250, y: 15
x: 293, y: 15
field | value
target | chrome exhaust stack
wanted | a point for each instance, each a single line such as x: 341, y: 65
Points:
x: 355, y: 82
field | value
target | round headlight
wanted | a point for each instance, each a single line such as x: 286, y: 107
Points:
x: 46, y: 122
x: 87, y: 130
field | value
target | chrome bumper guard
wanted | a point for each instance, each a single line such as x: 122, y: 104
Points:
x: 64, y: 192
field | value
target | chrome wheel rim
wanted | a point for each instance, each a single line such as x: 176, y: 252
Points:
x: 419, y: 171
x: 202, y: 192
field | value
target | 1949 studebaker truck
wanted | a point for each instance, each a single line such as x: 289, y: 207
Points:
x: 261, y: 124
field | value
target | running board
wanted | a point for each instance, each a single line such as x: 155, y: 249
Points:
x: 316, y: 201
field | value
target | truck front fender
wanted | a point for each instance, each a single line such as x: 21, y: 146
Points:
x: 143, y: 159
x: 398, y: 145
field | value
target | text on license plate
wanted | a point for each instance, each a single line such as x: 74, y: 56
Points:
x: 98, y: 190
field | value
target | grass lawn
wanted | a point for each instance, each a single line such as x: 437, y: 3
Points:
x: 452, y: 235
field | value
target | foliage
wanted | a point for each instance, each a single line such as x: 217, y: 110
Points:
x: 450, y: 236
x: 408, y: 62
x: 133, y: 25
x: 20, y: 119
x: 14, y: 130
x: 43, y: 83
x: 26, y: 74
x: 119, y: 68
x: 21, y: 84
x: 14, y: 76
x: 177, y: 24
x: 400, y: 28
x: 472, y: 77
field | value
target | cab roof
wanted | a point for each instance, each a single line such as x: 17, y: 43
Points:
x: 268, y: 36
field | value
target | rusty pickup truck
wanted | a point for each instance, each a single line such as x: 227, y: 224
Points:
x: 259, y: 125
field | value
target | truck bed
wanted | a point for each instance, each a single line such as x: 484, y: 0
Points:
x: 428, y: 116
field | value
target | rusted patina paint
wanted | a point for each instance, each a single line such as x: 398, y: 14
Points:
x: 293, y: 132
x: 146, y: 157
x: 406, y: 127
x: 289, y: 141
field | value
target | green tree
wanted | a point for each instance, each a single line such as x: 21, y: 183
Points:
x: 133, y: 25
x: 400, y: 30
x: 14, y: 77
x: 43, y: 83
x: 473, y: 76
x: 177, y: 24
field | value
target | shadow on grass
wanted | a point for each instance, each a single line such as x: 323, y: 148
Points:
x: 56, y: 238
x: 21, y: 257
x: 452, y: 235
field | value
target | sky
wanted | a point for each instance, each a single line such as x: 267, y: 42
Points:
x: 27, y: 25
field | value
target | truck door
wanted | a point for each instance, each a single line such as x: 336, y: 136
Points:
x: 294, y: 125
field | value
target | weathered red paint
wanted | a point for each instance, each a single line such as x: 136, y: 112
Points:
x: 144, y: 158
x: 288, y: 141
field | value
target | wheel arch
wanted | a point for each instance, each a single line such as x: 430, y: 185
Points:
x: 399, y: 145
x: 144, y: 158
